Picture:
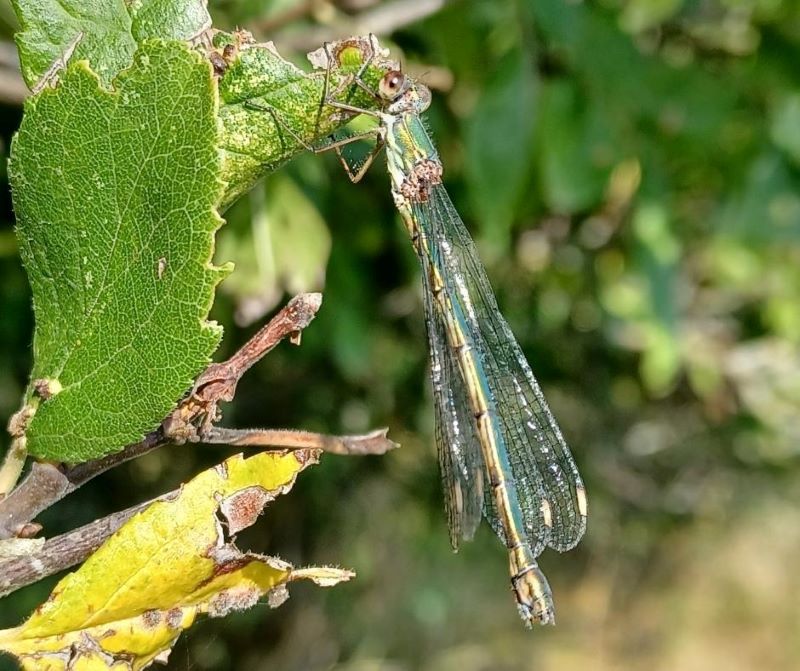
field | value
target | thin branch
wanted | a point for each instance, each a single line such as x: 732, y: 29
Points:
x: 62, y: 552
x: 374, y: 442
x: 381, y: 20
x: 13, y: 462
x: 69, y: 549
x: 191, y: 421
x: 218, y: 382
x: 15, y: 458
x: 47, y: 483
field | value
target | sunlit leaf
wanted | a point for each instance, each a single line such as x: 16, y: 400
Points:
x: 104, y: 32
x: 115, y: 194
x: 573, y: 159
x: 271, y: 110
x: 130, y: 601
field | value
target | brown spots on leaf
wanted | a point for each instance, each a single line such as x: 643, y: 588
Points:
x: 305, y: 457
x: 231, y: 51
x: 218, y: 63
x: 277, y: 596
x: 242, y: 509
x: 18, y: 424
x: 238, y: 598
x: 174, y: 618
x: 46, y: 388
x: 231, y: 566
x: 227, y: 559
x: 221, y: 553
x: 222, y: 59
x: 339, y: 50
x: 151, y: 619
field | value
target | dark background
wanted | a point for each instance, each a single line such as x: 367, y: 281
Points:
x: 631, y: 173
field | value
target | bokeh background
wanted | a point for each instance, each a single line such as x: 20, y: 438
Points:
x: 630, y: 170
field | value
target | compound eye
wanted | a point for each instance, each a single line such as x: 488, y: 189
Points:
x: 391, y: 84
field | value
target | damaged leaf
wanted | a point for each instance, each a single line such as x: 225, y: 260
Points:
x: 127, y: 605
x: 271, y: 110
x: 115, y: 194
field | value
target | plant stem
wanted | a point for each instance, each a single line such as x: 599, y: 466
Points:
x: 12, y: 465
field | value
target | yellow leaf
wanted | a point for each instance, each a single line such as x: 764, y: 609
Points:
x: 129, y: 602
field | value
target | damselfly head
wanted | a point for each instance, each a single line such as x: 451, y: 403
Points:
x: 403, y: 94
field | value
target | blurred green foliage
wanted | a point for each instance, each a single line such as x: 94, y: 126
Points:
x: 631, y: 172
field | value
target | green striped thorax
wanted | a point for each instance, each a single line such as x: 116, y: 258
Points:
x: 413, y: 162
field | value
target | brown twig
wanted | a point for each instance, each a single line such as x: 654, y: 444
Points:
x: 47, y: 483
x: 383, y: 19
x: 193, y: 418
x: 192, y: 421
x: 69, y: 549
x: 374, y: 442
x: 62, y: 552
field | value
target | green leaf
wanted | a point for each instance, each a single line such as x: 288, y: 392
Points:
x: 573, y: 155
x: 284, y: 246
x: 765, y: 210
x: 115, y: 195
x: 104, y: 32
x: 785, y: 126
x: 271, y: 110
x: 498, y: 140
x: 658, y: 253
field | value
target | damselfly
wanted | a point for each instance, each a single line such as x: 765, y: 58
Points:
x: 500, y: 449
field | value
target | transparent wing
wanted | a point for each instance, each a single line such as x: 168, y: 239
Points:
x: 549, y: 487
x: 460, y: 459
